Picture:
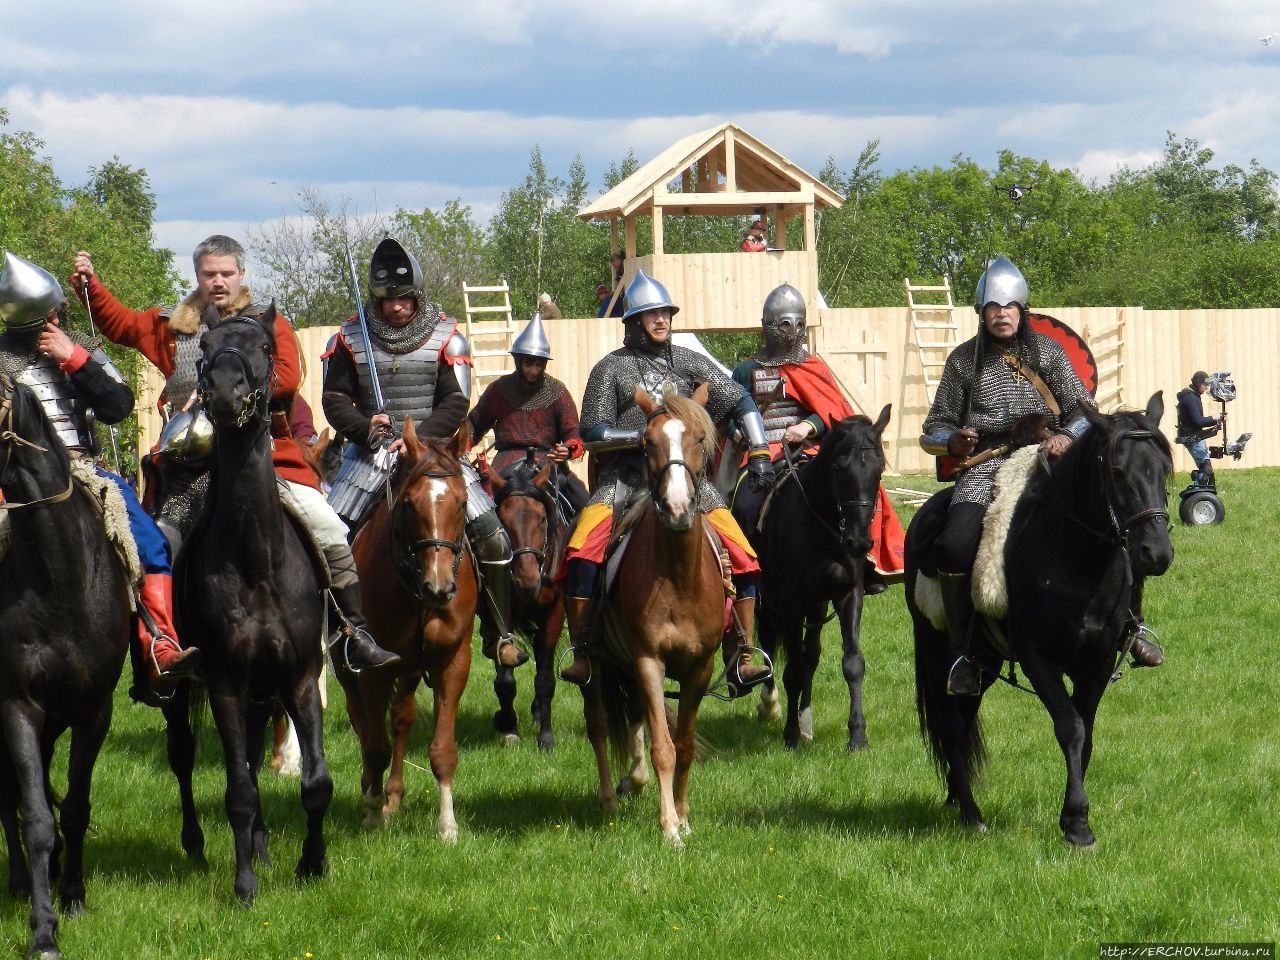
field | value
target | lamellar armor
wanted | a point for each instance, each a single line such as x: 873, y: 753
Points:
x: 407, y: 368
x: 71, y: 418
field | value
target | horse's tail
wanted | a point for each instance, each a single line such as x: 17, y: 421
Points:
x: 940, y: 716
x: 621, y: 698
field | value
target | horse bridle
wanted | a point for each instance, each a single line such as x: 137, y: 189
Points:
x: 10, y: 438
x: 549, y: 529
x: 256, y: 403
x: 1121, y: 530
x: 408, y: 569
x: 842, y: 522
x: 655, y: 480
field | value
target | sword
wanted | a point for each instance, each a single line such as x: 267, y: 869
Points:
x: 382, y: 459
x: 93, y: 330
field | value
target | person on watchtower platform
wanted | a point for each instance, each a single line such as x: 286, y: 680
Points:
x: 170, y: 339
x: 610, y: 415
x: 799, y: 400
x: 530, y: 408
x: 75, y: 383
x: 423, y: 366
x: 1005, y: 372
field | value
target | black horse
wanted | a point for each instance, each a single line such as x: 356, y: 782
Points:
x: 813, y: 546
x: 64, y: 632
x: 249, y: 597
x: 1090, y: 525
x: 529, y: 507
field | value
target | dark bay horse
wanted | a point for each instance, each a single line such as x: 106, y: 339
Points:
x: 1092, y: 524
x: 64, y: 632
x: 664, y: 616
x: 813, y: 552
x: 250, y: 598
x: 419, y: 588
x: 529, y: 508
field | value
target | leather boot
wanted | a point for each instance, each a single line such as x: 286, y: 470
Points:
x: 362, y: 653
x: 579, y: 671
x: 872, y: 581
x: 164, y: 658
x: 1145, y: 653
x: 957, y: 601
x: 739, y: 672
x: 493, y: 548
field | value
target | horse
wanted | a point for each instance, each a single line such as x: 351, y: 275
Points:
x: 1091, y: 523
x: 813, y: 545
x: 529, y: 508
x: 250, y: 597
x: 664, y: 617
x: 64, y: 633
x: 420, y: 589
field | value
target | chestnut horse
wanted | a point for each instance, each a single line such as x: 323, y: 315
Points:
x: 419, y: 590
x: 664, y: 616
x: 529, y: 508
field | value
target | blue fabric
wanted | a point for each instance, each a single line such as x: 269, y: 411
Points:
x: 747, y: 585
x: 153, y: 548
x: 580, y: 578
x: 1199, y: 451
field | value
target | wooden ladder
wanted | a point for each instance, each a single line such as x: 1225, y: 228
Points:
x: 934, y: 328
x: 490, y: 330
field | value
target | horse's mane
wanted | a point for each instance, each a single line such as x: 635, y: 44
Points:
x: 520, y: 476
x: 436, y: 454
x: 839, y: 435
x: 694, y: 415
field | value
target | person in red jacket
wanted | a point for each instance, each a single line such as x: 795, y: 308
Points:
x: 170, y: 339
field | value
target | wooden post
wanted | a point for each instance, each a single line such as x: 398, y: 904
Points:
x: 780, y: 228
x: 810, y: 230
x: 629, y: 233
x: 657, y: 230
x: 613, y: 241
x: 730, y: 163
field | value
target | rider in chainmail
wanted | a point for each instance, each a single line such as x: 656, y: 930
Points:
x: 1005, y: 372
x: 423, y: 365
x: 75, y: 381
x: 611, y: 415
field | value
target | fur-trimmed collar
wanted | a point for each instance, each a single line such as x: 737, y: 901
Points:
x: 187, y: 315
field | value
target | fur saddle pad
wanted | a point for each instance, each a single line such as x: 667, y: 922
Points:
x: 115, y: 519
x: 990, y: 588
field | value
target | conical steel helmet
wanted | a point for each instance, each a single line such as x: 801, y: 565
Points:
x: 394, y: 271
x: 532, y: 341
x: 1001, y: 283
x: 645, y: 293
x: 27, y: 293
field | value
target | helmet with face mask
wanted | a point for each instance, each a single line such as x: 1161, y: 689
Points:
x: 785, y: 330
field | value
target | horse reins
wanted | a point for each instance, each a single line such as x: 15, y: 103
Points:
x: 678, y: 460
x: 255, y: 403
x: 406, y: 566
x: 10, y: 438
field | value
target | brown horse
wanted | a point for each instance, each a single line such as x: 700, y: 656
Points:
x: 419, y: 588
x: 664, y: 616
x: 528, y: 507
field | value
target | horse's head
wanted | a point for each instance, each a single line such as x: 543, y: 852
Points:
x: 678, y: 444
x: 855, y: 457
x: 526, y: 507
x: 237, y: 369
x: 1136, y: 465
x: 427, y: 517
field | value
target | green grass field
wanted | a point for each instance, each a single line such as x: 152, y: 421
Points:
x: 814, y: 853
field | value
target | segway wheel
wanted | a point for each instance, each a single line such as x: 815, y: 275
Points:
x: 1201, y: 509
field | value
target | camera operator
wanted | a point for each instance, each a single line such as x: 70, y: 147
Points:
x: 1194, y: 428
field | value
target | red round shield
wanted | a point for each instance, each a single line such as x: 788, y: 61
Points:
x: 1076, y: 349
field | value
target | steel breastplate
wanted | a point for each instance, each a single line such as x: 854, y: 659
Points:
x: 408, y: 380
x: 66, y: 411
x: 782, y: 411
x: 186, y: 351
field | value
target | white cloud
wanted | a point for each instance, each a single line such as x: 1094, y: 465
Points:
x: 1099, y: 165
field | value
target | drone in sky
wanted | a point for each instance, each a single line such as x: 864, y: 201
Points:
x: 1267, y: 40
x: 1015, y: 190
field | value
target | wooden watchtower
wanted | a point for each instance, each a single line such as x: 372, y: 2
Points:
x: 723, y: 171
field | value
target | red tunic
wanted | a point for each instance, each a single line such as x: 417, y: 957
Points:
x: 148, y: 332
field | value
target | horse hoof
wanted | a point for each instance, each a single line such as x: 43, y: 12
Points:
x: 978, y: 827
x: 628, y: 786
x: 857, y: 743
x: 806, y: 736
x: 510, y: 739
x: 448, y: 833
x: 546, y: 742
x: 684, y: 828
x: 672, y: 836
x: 54, y: 954
x: 309, y: 871
x: 1081, y: 839
x: 73, y: 908
x: 609, y: 804
x: 766, y: 712
x: 791, y: 742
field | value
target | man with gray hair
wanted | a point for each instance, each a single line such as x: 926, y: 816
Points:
x: 170, y: 339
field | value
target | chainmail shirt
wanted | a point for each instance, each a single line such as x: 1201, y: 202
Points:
x: 997, y: 399
x: 610, y: 399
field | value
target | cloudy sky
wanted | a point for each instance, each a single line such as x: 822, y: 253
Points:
x: 231, y: 106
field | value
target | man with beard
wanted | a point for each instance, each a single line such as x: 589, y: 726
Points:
x: 170, y: 339
x: 610, y: 414
x: 423, y: 365
x: 990, y: 381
